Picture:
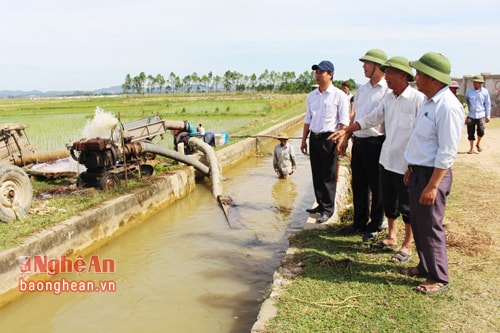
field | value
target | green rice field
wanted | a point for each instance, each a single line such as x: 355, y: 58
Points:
x: 56, y: 122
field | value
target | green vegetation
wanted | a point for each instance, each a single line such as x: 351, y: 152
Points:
x: 58, y: 121
x: 231, y: 81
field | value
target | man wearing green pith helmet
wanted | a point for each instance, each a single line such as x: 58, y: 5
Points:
x: 430, y: 153
x: 398, y: 111
x: 479, y: 107
x: 365, y: 152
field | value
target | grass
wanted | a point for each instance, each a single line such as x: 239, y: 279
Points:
x: 237, y: 114
x: 343, y: 287
x: 55, y: 201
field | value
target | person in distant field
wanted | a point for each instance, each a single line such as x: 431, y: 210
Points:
x: 398, y: 111
x: 327, y: 110
x: 479, y: 106
x: 200, y: 130
x: 430, y: 153
x: 284, y: 157
x: 365, y: 152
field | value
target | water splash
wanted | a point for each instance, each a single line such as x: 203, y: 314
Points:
x: 101, y: 126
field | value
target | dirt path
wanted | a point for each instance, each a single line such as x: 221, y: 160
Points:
x: 489, y: 158
x: 476, y: 178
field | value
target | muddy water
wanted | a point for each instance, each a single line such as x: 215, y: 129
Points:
x: 184, y: 270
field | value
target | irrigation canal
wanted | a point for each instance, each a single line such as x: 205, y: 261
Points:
x: 184, y: 270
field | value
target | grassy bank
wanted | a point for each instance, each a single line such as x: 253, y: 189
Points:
x: 343, y: 287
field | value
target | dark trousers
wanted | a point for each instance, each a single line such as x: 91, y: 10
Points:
x: 324, y: 172
x: 472, y: 124
x: 427, y: 225
x: 395, y: 195
x: 366, y: 181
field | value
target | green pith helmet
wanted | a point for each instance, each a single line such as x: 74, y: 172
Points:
x: 478, y: 78
x: 400, y: 63
x: 374, y: 55
x: 434, y: 65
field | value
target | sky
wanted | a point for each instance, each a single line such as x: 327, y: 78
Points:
x: 86, y: 45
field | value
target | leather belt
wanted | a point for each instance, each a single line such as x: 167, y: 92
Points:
x: 322, y: 135
x: 415, y: 168
x: 370, y: 139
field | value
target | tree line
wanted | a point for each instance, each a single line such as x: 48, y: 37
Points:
x: 268, y: 81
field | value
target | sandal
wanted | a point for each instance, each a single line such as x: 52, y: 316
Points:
x: 471, y: 151
x: 381, y: 246
x: 432, y: 288
x: 479, y: 149
x: 400, y: 256
x: 410, y: 271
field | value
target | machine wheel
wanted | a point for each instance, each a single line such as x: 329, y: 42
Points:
x: 109, y: 181
x: 146, y: 170
x: 16, y: 193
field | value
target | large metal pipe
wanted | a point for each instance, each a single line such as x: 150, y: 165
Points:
x: 144, y: 147
x: 215, y: 172
x: 40, y: 157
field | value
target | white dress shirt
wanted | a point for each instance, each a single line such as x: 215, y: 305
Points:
x: 437, y: 133
x: 325, y: 111
x: 366, y: 99
x: 399, y: 114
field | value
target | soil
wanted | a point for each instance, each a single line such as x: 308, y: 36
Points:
x: 488, y: 164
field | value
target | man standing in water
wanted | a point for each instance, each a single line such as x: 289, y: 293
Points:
x: 327, y: 110
x: 284, y: 157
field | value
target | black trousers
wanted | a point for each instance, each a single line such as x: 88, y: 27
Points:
x: 324, y: 172
x: 367, y: 184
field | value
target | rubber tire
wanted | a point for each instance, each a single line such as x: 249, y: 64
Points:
x: 109, y: 181
x: 15, y: 190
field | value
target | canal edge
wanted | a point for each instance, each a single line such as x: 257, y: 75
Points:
x: 283, y: 277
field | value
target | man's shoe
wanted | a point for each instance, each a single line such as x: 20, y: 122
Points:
x: 323, y: 218
x: 370, y: 236
x: 351, y: 230
x: 314, y: 210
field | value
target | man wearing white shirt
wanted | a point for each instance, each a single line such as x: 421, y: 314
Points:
x: 430, y: 153
x: 327, y: 110
x: 398, y: 111
x: 365, y: 152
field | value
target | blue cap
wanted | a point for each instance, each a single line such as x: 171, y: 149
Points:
x: 325, y: 65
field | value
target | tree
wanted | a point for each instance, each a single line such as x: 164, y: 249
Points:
x: 127, y: 86
x: 160, y: 82
x: 138, y: 83
x: 286, y: 82
x: 150, y: 83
